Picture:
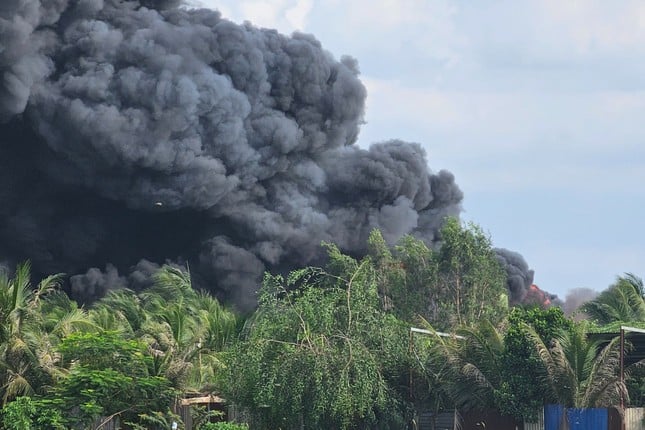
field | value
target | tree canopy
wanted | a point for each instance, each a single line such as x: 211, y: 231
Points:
x: 461, y: 283
x: 327, y: 347
x: 319, y: 350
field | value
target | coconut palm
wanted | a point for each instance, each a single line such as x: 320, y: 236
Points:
x: 61, y: 316
x: 581, y: 372
x: 120, y: 310
x: 23, y: 340
x: 184, y: 329
x: 217, y: 327
x: 190, y: 327
x: 471, y: 365
x: 621, y: 302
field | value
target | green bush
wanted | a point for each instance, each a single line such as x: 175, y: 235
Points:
x: 26, y: 413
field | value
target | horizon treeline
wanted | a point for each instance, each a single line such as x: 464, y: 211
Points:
x: 327, y: 347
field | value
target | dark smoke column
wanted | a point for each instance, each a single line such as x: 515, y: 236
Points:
x: 519, y: 281
x: 136, y: 130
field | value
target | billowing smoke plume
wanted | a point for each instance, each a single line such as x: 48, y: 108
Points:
x: 519, y: 277
x: 519, y: 281
x: 134, y: 129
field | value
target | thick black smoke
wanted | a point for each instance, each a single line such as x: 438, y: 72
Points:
x: 519, y: 281
x: 519, y: 277
x: 134, y: 129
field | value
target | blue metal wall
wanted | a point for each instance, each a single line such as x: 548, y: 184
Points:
x: 578, y: 419
x: 587, y: 419
x: 552, y: 417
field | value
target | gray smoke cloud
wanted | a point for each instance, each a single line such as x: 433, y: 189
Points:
x: 133, y: 133
x: 519, y: 281
x: 519, y: 277
x: 96, y: 283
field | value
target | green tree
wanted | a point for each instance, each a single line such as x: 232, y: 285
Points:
x: 319, y: 352
x: 484, y: 366
x: 406, y: 277
x: 185, y: 330
x: 459, y: 284
x: 120, y: 310
x: 189, y: 328
x: 25, y: 413
x: 471, y: 283
x: 519, y: 395
x: 620, y: 304
x: 108, y: 375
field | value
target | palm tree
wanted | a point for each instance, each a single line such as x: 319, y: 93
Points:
x: 581, y: 372
x: 472, y: 366
x: 636, y: 282
x: 623, y: 301
x: 61, y: 316
x: 120, y: 310
x: 22, y: 341
x: 217, y: 328
x: 185, y: 330
x: 194, y: 326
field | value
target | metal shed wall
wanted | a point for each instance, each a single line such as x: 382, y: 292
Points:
x: 538, y: 425
x: 552, y: 417
x: 587, y: 419
x: 578, y: 419
x: 490, y: 419
x: 442, y: 421
x: 634, y: 418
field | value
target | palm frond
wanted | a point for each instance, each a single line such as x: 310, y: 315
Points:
x: 622, y: 301
x: 172, y: 283
x: 15, y: 386
x: 74, y: 320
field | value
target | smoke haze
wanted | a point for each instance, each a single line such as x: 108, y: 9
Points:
x: 575, y: 298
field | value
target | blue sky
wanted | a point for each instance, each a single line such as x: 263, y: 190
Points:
x: 536, y: 106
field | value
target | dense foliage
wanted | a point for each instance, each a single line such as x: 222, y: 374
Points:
x: 107, y: 375
x: 129, y: 355
x: 460, y: 284
x: 519, y: 395
x: 320, y: 351
x: 327, y: 347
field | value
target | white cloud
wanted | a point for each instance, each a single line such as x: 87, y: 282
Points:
x: 533, y: 117
x: 298, y: 14
x: 540, y: 175
x: 286, y: 16
x: 590, y: 142
x: 590, y: 27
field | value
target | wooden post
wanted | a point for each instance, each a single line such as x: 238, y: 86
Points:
x: 622, y: 367
x: 410, y: 349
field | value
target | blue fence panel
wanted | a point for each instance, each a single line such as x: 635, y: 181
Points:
x: 587, y: 419
x: 578, y: 419
x: 552, y: 417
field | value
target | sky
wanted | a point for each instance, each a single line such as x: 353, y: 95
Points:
x: 536, y: 106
